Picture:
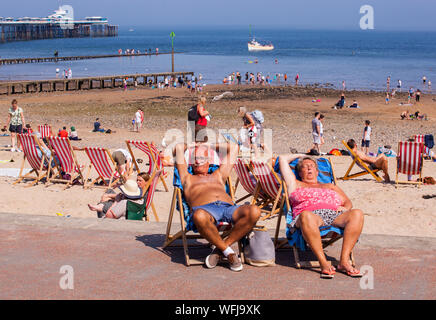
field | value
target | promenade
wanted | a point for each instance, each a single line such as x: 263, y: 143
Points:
x: 123, y: 260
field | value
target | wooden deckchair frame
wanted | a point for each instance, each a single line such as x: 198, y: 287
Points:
x: 152, y: 153
x: 73, y: 175
x: 326, y: 240
x: 40, y: 173
x: 358, y: 161
x: 100, y: 178
x: 276, y: 206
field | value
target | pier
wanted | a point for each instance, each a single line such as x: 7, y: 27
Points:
x: 74, y: 58
x: 90, y: 83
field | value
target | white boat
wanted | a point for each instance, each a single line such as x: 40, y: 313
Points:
x: 254, y: 45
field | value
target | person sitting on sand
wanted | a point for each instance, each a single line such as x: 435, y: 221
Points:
x: 315, y: 205
x: 341, y: 103
x: 379, y: 162
x: 114, y: 205
x: 63, y: 133
x: 74, y: 135
x: 210, y: 204
x: 97, y: 126
x: 354, y: 105
x: 405, y: 115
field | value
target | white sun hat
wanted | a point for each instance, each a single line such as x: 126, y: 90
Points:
x: 130, y: 189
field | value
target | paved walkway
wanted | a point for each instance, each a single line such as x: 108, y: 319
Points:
x: 123, y: 260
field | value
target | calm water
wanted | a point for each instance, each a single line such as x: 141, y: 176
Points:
x: 363, y: 59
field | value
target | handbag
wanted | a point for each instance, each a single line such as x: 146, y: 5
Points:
x: 258, y: 248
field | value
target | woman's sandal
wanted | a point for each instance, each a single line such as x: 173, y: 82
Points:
x: 354, y: 274
x: 328, y: 274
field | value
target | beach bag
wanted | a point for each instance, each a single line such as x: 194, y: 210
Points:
x: 259, y: 249
x: 345, y: 153
x: 386, y: 151
x: 193, y: 114
x: 257, y: 116
x: 313, y: 152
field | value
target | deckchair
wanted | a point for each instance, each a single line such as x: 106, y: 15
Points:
x: 137, y: 211
x: 62, y: 149
x: 45, y: 131
x: 410, y: 161
x: 270, y: 184
x: 419, y: 138
x: 249, y: 183
x: 155, y: 160
x: 38, y: 163
x: 361, y: 164
x: 294, y: 236
x: 186, y: 222
x: 103, y: 163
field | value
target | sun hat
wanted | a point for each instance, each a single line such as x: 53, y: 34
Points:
x: 73, y: 129
x: 131, y: 190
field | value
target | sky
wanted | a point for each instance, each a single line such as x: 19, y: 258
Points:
x: 400, y: 15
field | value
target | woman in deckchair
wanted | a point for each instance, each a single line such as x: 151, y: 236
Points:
x: 113, y: 205
x: 315, y: 205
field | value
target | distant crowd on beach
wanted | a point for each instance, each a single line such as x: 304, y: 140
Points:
x: 259, y: 78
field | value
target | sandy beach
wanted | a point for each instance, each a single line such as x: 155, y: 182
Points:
x: 288, y: 112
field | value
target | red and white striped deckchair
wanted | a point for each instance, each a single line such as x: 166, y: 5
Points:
x: 39, y: 164
x: 249, y: 183
x: 410, y: 160
x: 419, y: 138
x: 61, y: 147
x: 150, y: 195
x: 45, y: 131
x: 270, y: 184
x: 103, y: 163
x: 155, y: 160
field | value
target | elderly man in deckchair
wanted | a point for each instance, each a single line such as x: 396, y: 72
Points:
x: 379, y: 162
x: 210, y: 204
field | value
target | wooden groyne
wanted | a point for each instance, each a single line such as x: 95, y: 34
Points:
x: 74, y: 58
x: 75, y: 84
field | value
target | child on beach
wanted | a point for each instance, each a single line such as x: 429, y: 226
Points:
x: 74, y: 135
x: 366, y: 137
x: 387, y: 98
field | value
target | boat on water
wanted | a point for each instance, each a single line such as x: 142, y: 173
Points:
x: 254, y: 45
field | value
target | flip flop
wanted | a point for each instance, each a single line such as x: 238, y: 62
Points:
x: 354, y: 274
x: 325, y: 274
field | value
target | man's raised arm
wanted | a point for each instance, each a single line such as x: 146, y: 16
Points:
x: 180, y: 163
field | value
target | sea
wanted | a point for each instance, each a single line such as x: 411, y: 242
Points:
x: 364, y: 59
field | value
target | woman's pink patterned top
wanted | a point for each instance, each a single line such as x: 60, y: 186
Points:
x: 310, y: 199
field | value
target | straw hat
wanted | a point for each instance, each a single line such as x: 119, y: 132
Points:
x: 130, y: 189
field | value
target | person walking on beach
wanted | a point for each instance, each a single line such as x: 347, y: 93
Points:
x: 388, y: 83
x: 321, y: 131
x: 139, y: 120
x: 417, y: 95
x: 285, y: 77
x: 125, y: 84
x: 15, y: 123
x: 297, y: 77
x: 316, y: 132
x: 343, y: 85
x: 399, y: 85
x: 366, y: 137
x: 387, y: 98
x: 203, y: 114
x: 424, y: 80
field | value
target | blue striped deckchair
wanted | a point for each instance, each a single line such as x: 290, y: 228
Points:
x: 294, y: 236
